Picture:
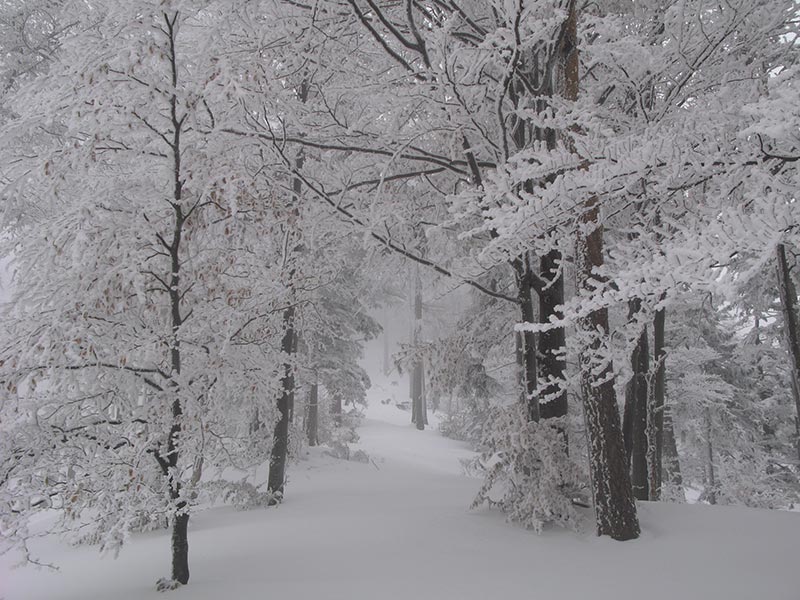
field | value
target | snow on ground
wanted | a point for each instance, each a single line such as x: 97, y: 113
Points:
x: 398, y: 527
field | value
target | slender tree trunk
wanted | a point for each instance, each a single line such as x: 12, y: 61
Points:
x: 635, y: 415
x: 419, y: 410
x: 639, y: 475
x: 336, y: 410
x: 387, y: 367
x: 552, y: 343
x: 522, y: 136
x: 672, y: 465
x: 312, y: 418
x: 169, y: 462
x: 710, y: 492
x: 656, y: 406
x: 280, y: 443
x: 527, y: 340
x: 792, y: 333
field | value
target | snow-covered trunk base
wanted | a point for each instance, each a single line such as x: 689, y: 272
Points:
x: 615, y: 509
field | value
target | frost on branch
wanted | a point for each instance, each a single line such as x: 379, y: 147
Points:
x: 526, y: 465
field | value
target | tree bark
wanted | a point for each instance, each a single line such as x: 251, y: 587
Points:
x: 527, y: 340
x: 180, y: 546
x: 552, y: 343
x: 672, y: 465
x: 639, y: 474
x: 614, y: 506
x: 656, y: 406
x: 710, y: 492
x: 387, y: 365
x: 635, y: 416
x: 336, y: 410
x: 615, y: 509
x: 312, y: 418
x: 280, y: 440
x: 169, y: 461
x: 419, y: 410
x: 791, y: 332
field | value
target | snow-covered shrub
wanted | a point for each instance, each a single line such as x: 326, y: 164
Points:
x: 528, y: 473
x: 242, y: 495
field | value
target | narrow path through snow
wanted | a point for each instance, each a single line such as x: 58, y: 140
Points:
x: 399, y: 528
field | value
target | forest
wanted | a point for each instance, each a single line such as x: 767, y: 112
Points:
x: 565, y: 233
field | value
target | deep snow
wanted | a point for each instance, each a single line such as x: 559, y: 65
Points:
x: 399, y: 528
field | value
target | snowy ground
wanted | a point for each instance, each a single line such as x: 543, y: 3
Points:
x: 400, y: 528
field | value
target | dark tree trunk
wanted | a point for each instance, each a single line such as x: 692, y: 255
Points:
x: 168, y: 462
x: 792, y: 333
x: 635, y: 421
x: 527, y: 340
x: 280, y: 443
x: 180, y: 546
x: 312, y: 417
x: 614, y: 505
x: 552, y: 362
x: 657, y: 404
x: 526, y: 349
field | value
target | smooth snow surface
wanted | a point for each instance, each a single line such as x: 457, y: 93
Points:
x: 399, y: 528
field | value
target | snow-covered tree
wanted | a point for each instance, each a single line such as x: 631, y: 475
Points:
x: 144, y: 317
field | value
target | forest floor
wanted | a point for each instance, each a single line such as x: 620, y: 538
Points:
x: 399, y: 527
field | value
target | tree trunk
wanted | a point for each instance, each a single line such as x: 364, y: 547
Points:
x: 169, y: 461
x: 419, y: 411
x: 280, y: 440
x: 552, y: 343
x: 635, y: 415
x: 614, y: 505
x: 672, y: 465
x: 790, y: 327
x: 639, y: 474
x: 336, y: 410
x: 526, y: 340
x: 526, y: 349
x: 387, y: 365
x: 710, y: 492
x: 180, y: 546
x: 312, y: 418
x: 656, y: 406
x: 280, y: 443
